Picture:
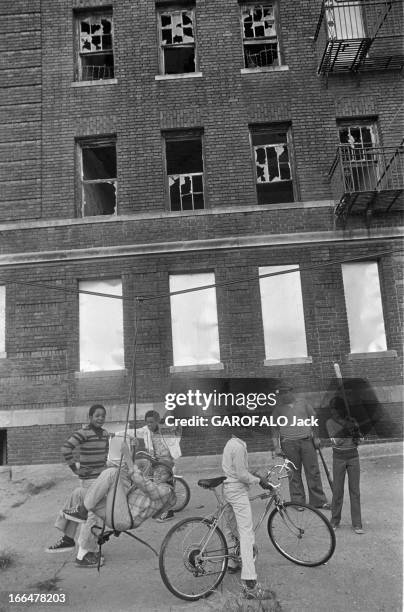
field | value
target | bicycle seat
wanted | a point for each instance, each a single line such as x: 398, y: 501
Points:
x: 211, y: 483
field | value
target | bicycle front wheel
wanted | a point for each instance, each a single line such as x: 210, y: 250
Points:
x: 193, y: 558
x: 182, y: 493
x: 301, y: 533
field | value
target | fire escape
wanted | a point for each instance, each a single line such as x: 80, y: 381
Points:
x: 356, y: 35
x: 367, y: 180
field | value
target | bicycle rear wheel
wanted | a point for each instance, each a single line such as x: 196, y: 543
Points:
x: 182, y: 493
x: 193, y: 558
x: 301, y: 533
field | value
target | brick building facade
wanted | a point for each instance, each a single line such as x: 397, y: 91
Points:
x: 153, y: 143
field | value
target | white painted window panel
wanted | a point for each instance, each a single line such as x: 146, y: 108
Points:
x: 364, y: 307
x: 282, y: 314
x: 101, y: 327
x: 194, y: 320
x: 2, y: 319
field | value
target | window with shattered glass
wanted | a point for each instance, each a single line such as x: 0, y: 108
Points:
x: 101, y: 326
x: 359, y: 156
x: 177, y: 41
x: 272, y: 165
x: 95, y: 46
x: 99, y: 183
x: 260, y: 38
x: 364, y: 307
x: 194, y: 322
x: 185, y: 172
x: 2, y: 320
x: 282, y: 313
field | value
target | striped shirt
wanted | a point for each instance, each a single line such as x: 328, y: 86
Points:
x: 148, y: 498
x: 92, y: 446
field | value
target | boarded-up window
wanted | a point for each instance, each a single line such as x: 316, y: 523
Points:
x: 99, y: 183
x: 2, y: 319
x: 364, y: 307
x: 95, y: 50
x: 101, y: 326
x: 185, y: 172
x: 273, y: 166
x: 282, y: 313
x: 194, y: 323
x: 177, y: 41
x: 260, y: 39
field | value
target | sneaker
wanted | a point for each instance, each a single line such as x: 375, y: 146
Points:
x: 325, y: 506
x: 358, y: 530
x: 62, y: 545
x: 78, y: 514
x: 90, y: 559
x: 334, y: 525
x: 257, y: 592
x: 233, y: 569
x: 166, y: 516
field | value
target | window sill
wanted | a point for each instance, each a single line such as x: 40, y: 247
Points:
x: 101, y: 373
x: 288, y: 361
x: 202, y: 367
x: 371, y: 355
x: 170, y: 77
x: 264, y: 69
x: 3, y: 355
x: 93, y: 83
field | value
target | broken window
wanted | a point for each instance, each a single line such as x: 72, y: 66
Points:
x: 95, y: 42
x: 2, y: 320
x: 359, y: 157
x: 177, y: 41
x: 101, y: 326
x: 98, y: 178
x: 185, y: 172
x: 364, y: 307
x: 260, y: 39
x: 194, y: 322
x: 272, y: 165
x: 282, y: 313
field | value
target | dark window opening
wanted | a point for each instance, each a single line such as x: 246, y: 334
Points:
x: 260, y: 40
x: 177, y: 42
x: 185, y: 174
x: 272, y: 166
x: 99, y: 180
x: 96, y: 58
x: 3, y: 446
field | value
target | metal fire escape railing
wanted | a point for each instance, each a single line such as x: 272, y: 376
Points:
x: 365, y: 180
x: 354, y: 35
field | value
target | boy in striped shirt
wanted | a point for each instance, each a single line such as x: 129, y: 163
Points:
x: 90, y: 443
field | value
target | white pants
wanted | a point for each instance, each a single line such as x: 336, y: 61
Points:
x: 236, y: 494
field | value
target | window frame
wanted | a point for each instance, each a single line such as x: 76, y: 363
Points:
x: 3, y: 328
x: 384, y: 320
x: 183, y: 135
x: 80, y: 281
x: 82, y: 13
x: 248, y: 42
x: 170, y: 9
x: 262, y: 269
x: 91, y: 142
x: 217, y: 364
x: 274, y: 127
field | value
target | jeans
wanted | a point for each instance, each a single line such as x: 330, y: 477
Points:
x: 303, y: 453
x: 69, y: 528
x: 346, y: 462
x: 236, y: 494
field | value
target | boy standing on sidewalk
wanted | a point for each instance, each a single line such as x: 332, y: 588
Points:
x: 235, y: 492
x: 91, y: 443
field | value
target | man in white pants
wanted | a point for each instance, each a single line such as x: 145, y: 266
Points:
x: 235, y: 492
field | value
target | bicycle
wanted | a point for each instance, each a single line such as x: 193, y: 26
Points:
x: 181, y: 487
x: 194, y: 554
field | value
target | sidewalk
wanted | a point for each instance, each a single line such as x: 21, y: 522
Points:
x: 364, y: 575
